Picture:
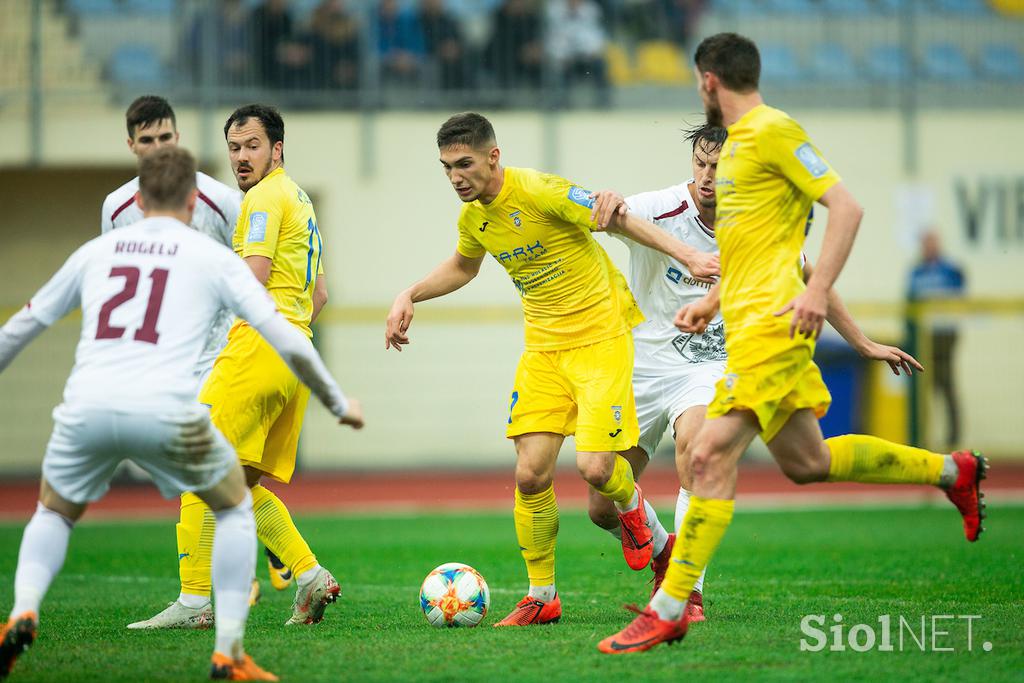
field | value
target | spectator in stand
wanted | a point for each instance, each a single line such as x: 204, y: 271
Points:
x: 515, y: 52
x: 681, y: 19
x: 400, y: 43
x: 335, y: 43
x: 936, y: 278
x: 272, y: 30
x: 444, y: 44
x: 226, y: 30
x: 576, y: 43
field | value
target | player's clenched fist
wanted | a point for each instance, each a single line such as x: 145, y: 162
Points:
x: 398, y: 321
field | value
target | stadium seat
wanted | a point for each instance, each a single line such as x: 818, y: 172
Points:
x: 659, y: 61
x: 1001, y: 62
x: 832, y: 63
x: 161, y: 8
x: 850, y: 8
x: 779, y: 65
x: 899, y: 6
x: 962, y: 7
x: 91, y: 8
x: 793, y: 7
x: 741, y: 7
x: 620, y: 70
x: 136, y: 64
x: 887, y: 64
x: 945, y: 62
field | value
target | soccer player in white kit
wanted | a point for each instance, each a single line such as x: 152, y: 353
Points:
x: 674, y: 373
x: 149, y: 293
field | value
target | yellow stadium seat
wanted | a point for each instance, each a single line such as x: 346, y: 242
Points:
x: 620, y: 71
x: 662, y: 62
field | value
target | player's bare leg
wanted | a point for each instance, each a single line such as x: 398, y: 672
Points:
x: 536, y: 521
x: 805, y: 456
x: 713, y: 457
x: 611, y: 475
x: 685, y: 429
x: 44, y: 546
x: 234, y: 549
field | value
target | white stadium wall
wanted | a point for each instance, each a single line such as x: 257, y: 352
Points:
x: 387, y: 215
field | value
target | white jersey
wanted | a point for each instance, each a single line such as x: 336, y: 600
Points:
x: 149, y: 294
x: 215, y: 215
x: 662, y: 285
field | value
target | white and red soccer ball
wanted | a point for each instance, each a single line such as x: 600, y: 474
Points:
x: 454, y: 594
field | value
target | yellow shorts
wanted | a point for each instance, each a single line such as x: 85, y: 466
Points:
x: 256, y: 402
x: 773, y: 389
x: 586, y: 391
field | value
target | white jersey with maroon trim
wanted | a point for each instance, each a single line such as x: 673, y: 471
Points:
x: 662, y: 285
x: 215, y: 215
x: 149, y: 294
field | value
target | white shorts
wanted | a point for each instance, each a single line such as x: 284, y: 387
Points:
x: 661, y: 399
x: 88, y: 443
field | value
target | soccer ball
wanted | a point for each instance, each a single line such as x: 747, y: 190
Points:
x: 454, y: 594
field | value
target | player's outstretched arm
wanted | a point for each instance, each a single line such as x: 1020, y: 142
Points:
x: 702, y: 266
x: 451, y: 274
x: 694, y: 318
x: 843, y: 323
x: 810, y: 307
x: 16, y: 334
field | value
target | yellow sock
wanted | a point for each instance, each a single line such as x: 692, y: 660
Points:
x: 536, y: 517
x: 195, y: 545
x: 856, y: 457
x: 620, y: 487
x: 275, y: 528
x: 703, y: 528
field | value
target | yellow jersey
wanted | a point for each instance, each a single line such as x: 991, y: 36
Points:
x: 538, y: 229
x: 277, y: 221
x: 769, y: 176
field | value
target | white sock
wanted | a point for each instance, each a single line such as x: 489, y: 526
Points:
x: 950, y: 472
x: 43, y: 548
x: 633, y: 504
x: 306, y: 577
x: 234, y: 561
x: 667, y: 607
x: 193, y: 601
x: 543, y: 593
x: 682, y: 503
x: 658, y: 533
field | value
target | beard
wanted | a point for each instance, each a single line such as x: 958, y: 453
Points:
x: 254, y: 177
x: 713, y: 111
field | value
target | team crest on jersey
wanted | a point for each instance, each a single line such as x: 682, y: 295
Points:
x: 617, y: 414
x: 580, y: 196
x: 257, y: 227
x: 516, y: 218
x: 811, y: 161
x: 709, y: 346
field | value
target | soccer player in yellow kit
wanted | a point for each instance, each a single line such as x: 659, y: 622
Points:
x: 255, y: 400
x: 769, y: 175
x: 575, y: 375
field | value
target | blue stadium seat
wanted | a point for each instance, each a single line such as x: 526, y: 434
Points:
x: 1001, y: 62
x: 795, y: 7
x: 833, y: 64
x: 87, y: 8
x: 161, y: 8
x: 963, y: 7
x: 779, y: 65
x: 742, y: 7
x: 887, y: 63
x: 136, y: 64
x: 850, y: 8
x: 899, y: 6
x: 945, y: 62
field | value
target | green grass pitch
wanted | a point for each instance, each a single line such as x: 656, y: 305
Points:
x: 773, y: 568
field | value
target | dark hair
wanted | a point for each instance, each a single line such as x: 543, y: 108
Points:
x: 166, y: 177
x: 469, y: 129
x: 270, y: 117
x: 146, y: 110
x: 708, y: 137
x: 731, y: 57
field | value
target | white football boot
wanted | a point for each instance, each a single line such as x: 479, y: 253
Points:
x: 311, y: 600
x: 178, y: 615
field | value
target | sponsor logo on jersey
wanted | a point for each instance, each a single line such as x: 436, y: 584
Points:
x: 515, y: 218
x: 257, y: 227
x: 529, y: 252
x: 580, y: 196
x: 814, y: 164
x: 676, y: 276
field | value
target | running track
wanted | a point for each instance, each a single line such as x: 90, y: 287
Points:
x: 760, y: 486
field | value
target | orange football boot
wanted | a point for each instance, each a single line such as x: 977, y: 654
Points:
x: 530, y: 611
